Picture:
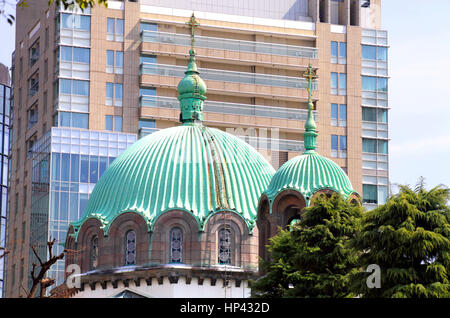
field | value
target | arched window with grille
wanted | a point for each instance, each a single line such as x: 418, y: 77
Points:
x: 176, y: 245
x: 130, y: 248
x: 224, y: 247
x: 93, y: 260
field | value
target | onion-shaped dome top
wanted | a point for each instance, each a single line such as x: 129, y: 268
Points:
x: 308, y: 174
x: 190, y: 167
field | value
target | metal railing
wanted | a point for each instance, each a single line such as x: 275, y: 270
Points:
x: 260, y: 143
x: 228, y: 76
x: 229, y: 108
x: 230, y: 44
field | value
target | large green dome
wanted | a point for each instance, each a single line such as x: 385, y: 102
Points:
x: 190, y: 167
x: 308, y: 174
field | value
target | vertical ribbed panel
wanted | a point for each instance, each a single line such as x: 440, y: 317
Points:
x: 175, y: 169
x: 307, y: 174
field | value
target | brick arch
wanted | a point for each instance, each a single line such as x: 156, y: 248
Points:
x: 263, y: 225
x: 161, y: 241
x: 114, y: 256
x: 71, y: 247
x: 286, y: 206
x: 354, y: 198
x: 239, y: 234
x: 87, y: 231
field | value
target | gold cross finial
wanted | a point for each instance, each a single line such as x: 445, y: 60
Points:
x: 193, y: 23
x: 310, y: 75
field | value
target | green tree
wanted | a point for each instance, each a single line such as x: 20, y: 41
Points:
x: 409, y: 238
x: 313, y: 258
x: 82, y: 4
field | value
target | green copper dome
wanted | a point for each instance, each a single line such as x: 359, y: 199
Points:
x: 191, y: 167
x: 308, y: 174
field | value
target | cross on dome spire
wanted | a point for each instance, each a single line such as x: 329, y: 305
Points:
x: 193, y: 23
x: 191, y: 89
x: 310, y: 125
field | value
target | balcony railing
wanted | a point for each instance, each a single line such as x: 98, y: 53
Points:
x: 230, y: 108
x: 230, y: 44
x: 257, y: 142
x: 228, y: 76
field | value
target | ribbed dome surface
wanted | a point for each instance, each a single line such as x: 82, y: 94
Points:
x: 189, y: 167
x: 307, y: 174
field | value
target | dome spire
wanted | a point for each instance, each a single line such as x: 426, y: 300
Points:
x: 191, y: 89
x: 310, y: 133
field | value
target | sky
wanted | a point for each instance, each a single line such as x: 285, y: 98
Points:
x: 419, y: 88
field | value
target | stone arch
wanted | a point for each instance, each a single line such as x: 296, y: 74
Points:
x: 90, y: 228
x: 239, y: 234
x: 160, y: 237
x: 125, y: 222
x: 326, y: 191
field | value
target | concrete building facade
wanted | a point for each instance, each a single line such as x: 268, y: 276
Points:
x: 117, y: 68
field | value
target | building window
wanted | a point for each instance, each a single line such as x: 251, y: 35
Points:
x: 371, y: 83
x: 114, y: 94
x: 148, y: 59
x: 375, y: 146
x: 224, y: 247
x: 33, y: 84
x: 114, y: 62
x: 370, y: 194
x: 76, y: 22
x: 339, y: 115
x: 374, y: 115
x: 46, y: 37
x: 338, y: 52
x: 30, y: 144
x: 144, y: 26
x: 146, y: 127
x: 114, y: 29
x: 176, y: 245
x: 32, y: 115
x: 75, y: 54
x: 34, y: 53
x: 77, y: 120
x: 338, y: 146
x: 94, y: 253
x: 130, y: 248
x: 73, y: 87
x: 338, y: 83
x: 113, y: 123
x: 375, y: 53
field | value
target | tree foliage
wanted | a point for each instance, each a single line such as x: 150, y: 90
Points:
x: 82, y: 4
x: 313, y: 256
x: 409, y: 238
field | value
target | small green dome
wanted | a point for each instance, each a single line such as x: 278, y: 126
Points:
x: 308, y: 174
x: 190, y: 167
x: 191, y: 93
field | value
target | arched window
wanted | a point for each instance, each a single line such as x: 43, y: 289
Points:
x: 93, y: 262
x: 176, y: 245
x: 130, y: 248
x: 224, y: 247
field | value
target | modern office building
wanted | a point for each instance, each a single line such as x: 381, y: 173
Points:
x: 4, y: 150
x: 117, y: 69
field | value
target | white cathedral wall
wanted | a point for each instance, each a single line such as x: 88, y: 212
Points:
x: 168, y: 290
